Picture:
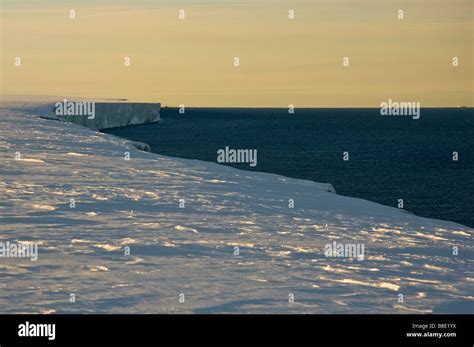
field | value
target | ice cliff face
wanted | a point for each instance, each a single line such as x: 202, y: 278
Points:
x: 221, y: 239
x: 113, y: 115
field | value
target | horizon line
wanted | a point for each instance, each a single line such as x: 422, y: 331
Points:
x: 125, y: 100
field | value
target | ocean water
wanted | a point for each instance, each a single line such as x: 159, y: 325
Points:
x: 390, y: 157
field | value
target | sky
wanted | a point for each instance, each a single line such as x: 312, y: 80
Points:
x: 282, y: 61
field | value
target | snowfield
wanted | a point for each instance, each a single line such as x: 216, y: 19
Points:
x: 183, y: 260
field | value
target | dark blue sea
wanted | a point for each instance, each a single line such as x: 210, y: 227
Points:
x: 390, y: 157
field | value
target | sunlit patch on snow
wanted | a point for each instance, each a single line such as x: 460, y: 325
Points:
x: 31, y: 243
x: 408, y: 279
x: 384, y: 230
x: 47, y: 311
x: 43, y: 207
x: 436, y: 268
x: 25, y: 160
x: 298, y: 249
x: 329, y: 268
x: 150, y: 225
x: 181, y: 228
x: 151, y: 195
x: 121, y: 285
x: 242, y: 244
x: 411, y: 309
x: 107, y: 247
x: 432, y: 237
x: 458, y: 232
x: 278, y: 253
x: 77, y: 154
x: 251, y: 222
x: 80, y: 241
x: 386, y: 285
x: 135, y: 260
x: 99, y: 197
x: 99, y: 268
x: 372, y: 269
x: 246, y: 230
x: 339, y: 302
x: 128, y: 241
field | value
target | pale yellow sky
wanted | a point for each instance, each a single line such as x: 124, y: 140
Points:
x: 282, y: 61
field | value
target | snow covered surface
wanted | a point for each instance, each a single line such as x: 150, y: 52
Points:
x: 190, y: 250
